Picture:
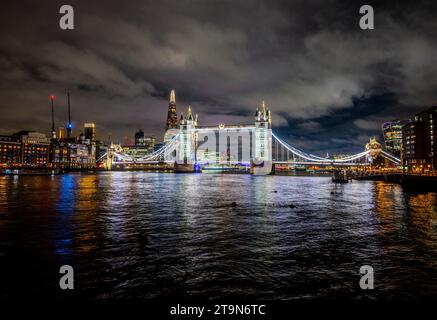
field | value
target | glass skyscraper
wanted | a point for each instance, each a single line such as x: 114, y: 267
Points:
x: 392, y: 132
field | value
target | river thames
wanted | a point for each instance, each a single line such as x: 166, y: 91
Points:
x: 172, y: 236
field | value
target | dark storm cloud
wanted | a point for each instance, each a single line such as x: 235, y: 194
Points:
x: 347, y: 128
x: 328, y: 84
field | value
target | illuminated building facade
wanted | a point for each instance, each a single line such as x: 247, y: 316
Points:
x: 35, y: 148
x: 82, y: 156
x: 75, y: 153
x: 419, y: 149
x: 144, y: 145
x: 59, y: 154
x: 10, y: 151
x: 137, y: 151
x: 392, y: 132
x: 90, y: 131
x: 147, y: 142
x: 61, y: 133
x: 72, y: 153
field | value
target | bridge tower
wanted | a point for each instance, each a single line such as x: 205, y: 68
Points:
x: 185, y: 158
x: 261, y: 164
x: 109, y: 158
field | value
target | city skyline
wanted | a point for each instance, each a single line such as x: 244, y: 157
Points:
x: 328, y: 86
x: 172, y: 122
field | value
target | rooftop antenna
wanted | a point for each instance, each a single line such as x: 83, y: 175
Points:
x: 69, y: 125
x: 53, y: 132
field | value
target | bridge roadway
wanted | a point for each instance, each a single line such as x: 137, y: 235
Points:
x: 169, y: 165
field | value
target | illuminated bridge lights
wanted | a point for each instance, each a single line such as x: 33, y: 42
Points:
x: 297, y: 156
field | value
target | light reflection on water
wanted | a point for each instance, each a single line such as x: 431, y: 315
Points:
x: 134, y: 234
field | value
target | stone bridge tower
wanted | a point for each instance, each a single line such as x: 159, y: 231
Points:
x: 185, y: 157
x: 261, y: 163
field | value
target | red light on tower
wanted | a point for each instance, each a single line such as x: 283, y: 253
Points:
x: 52, y: 97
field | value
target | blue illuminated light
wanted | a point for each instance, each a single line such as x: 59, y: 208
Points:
x: 197, y: 167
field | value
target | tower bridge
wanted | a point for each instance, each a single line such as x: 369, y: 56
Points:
x: 190, y: 147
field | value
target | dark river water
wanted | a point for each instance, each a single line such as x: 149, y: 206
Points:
x: 155, y: 235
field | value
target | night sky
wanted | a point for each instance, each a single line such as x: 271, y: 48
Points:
x: 329, y: 84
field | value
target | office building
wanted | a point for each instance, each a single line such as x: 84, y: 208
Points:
x: 419, y: 150
x: 10, y: 151
x: 35, y: 147
x: 392, y: 132
x: 144, y: 145
x: 90, y: 131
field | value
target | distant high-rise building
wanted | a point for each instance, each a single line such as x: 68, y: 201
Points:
x: 392, y: 132
x: 149, y: 143
x: 144, y: 145
x: 61, y: 133
x: 69, y: 124
x: 419, y: 142
x: 90, y: 131
x: 172, y: 117
x: 53, y: 131
x: 139, y: 138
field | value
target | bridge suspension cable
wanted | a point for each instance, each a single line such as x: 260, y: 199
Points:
x: 390, y: 157
x: 124, y: 157
x: 317, y: 159
x: 161, y: 151
x: 160, y: 154
x: 295, y: 151
x: 104, y: 155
